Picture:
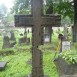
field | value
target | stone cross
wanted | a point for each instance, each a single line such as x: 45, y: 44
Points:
x: 37, y: 20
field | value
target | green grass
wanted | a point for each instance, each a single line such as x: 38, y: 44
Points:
x: 18, y: 67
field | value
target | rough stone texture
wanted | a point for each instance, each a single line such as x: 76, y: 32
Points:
x: 64, y: 69
x: 12, y: 44
x: 12, y: 38
x: 27, y: 41
x: 2, y: 65
x: 6, y: 43
x: 36, y: 22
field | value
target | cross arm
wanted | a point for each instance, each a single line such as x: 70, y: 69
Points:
x: 54, y: 20
x: 23, y: 20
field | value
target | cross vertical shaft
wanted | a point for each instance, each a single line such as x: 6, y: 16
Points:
x: 37, y: 67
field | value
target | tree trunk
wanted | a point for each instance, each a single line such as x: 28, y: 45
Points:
x: 75, y: 22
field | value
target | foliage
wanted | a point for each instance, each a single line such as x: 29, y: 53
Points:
x: 70, y: 56
x: 3, y: 11
x: 17, y: 64
x: 21, y: 7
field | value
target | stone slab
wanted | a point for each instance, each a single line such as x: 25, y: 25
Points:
x: 2, y: 65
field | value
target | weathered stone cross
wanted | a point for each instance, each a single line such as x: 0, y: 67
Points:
x: 36, y: 21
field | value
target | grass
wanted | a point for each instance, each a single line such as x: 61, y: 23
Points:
x: 17, y: 65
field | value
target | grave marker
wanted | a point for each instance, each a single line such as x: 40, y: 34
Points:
x: 6, y: 43
x: 37, y: 21
x: 12, y: 38
x: 2, y: 65
x: 46, y: 38
x: 65, y: 45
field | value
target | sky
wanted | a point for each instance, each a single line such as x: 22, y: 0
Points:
x: 8, y: 3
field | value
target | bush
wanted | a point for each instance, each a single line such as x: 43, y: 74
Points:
x: 7, y: 51
x: 69, y: 56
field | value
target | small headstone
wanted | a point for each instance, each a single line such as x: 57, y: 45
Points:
x: 65, y: 45
x: 2, y: 65
x: 6, y: 43
x: 12, y: 38
x: 46, y: 38
x: 27, y: 41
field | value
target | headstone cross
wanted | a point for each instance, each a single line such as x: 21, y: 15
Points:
x: 36, y: 21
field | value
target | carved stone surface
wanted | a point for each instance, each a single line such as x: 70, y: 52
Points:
x: 12, y: 38
x: 2, y: 65
x: 37, y: 21
x: 24, y: 20
x: 6, y: 43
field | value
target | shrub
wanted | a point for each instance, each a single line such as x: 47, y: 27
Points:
x: 69, y: 56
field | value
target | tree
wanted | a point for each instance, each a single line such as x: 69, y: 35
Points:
x: 74, y: 28
x: 3, y: 11
x: 22, y: 7
x: 3, y: 14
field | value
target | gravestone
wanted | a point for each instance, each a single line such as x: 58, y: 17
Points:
x: 27, y: 41
x: 47, y: 34
x: 2, y: 65
x: 46, y: 38
x: 12, y: 38
x: 65, y: 45
x: 6, y: 43
x: 37, y: 21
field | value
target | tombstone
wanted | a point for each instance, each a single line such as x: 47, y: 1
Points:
x: 12, y: 44
x: 27, y: 41
x: 2, y: 65
x: 37, y: 21
x: 65, y: 45
x: 6, y: 43
x: 12, y: 38
x: 46, y: 38
x: 48, y: 31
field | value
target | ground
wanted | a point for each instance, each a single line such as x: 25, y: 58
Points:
x: 17, y: 61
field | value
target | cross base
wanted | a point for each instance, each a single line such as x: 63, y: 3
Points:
x: 2, y: 65
x: 30, y: 75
